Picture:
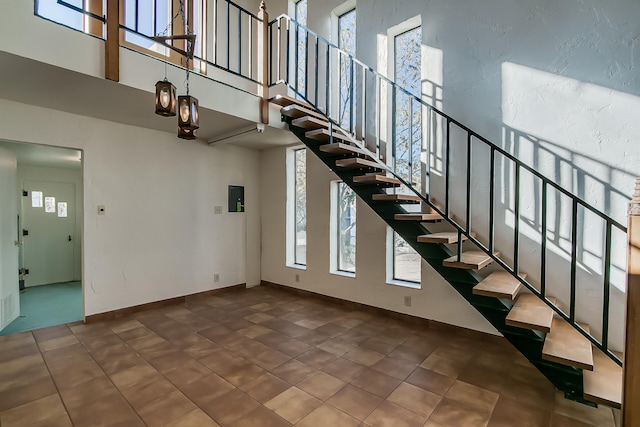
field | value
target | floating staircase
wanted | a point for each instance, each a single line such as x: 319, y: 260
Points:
x: 551, y: 344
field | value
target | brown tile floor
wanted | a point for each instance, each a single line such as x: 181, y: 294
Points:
x: 263, y: 357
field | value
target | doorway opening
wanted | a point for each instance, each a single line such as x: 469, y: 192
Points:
x: 49, y: 235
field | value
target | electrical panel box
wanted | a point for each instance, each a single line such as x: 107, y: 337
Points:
x: 236, y: 198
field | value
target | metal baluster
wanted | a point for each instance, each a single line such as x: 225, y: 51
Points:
x: 410, y: 147
x: 468, y: 195
x: 215, y: 35
x: 574, y: 259
x: 136, y: 16
x: 351, y: 92
x: 363, y: 129
x: 288, y: 54
x: 251, y: 54
x: 228, y: 44
x: 316, y: 73
x: 543, y: 254
x: 607, y: 286
x: 447, y: 168
x: 327, y: 81
x: 492, y: 170
x: 378, y: 112
x: 297, y: 41
x: 306, y: 64
x: 239, y: 42
x: 516, y: 214
x: 393, y: 129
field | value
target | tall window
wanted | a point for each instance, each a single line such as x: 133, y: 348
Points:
x: 300, y: 207
x: 406, y: 261
x: 407, y: 137
x: 346, y: 43
x: 407, y: 126
x: 301, y: 54
x: 345, y: 230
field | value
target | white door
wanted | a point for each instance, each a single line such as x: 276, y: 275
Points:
x: 48, y: 224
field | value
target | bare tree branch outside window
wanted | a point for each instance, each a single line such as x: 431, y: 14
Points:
x: 407, y: 129
x: 301, y: 206
x: 346, y: 204
x: 347, y: 43
x: 301, y: 19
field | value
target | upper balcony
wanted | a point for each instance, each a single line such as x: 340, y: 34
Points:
x: 65, y: 41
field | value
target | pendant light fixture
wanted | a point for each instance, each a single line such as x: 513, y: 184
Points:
x: 184, y: 133
x: 165, y: 98
x: 187, y: 105
x: 188, y: 117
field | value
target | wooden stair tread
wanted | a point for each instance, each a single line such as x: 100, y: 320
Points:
x: 323, y: 135
x: 285, y: 101
x: 499, y: 284
x: 418, y: 217
x: 357, y: 163
x: 530, y: 312
x: 603, y: 385
x: 565, y: 345
x: 470, y: 260
x: 297, y: 111
x: 341, y: 148
x: 309, y: 122
x: 442, y: 237
x: 376, y: 179
x: 395, y: 197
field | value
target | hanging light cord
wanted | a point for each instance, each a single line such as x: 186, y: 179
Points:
x: 187, y: 32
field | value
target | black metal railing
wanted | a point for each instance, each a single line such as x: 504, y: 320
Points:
x: 373, y: 102
x: 234, y: 31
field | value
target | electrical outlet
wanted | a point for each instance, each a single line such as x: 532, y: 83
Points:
x: 217, y: 210
x: 407, y: 301
x: 297, y: 278
x: 216, y: 278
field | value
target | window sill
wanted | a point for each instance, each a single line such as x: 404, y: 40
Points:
x: 343, y: 273
x: 297, y: 266
x: 404, y: 283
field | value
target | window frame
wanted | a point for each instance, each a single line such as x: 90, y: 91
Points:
x: 170, y: 55
x: 391, y: 258
x: 350, y: 123
x: 393, y: 32
x: 335, y: 238
x: 291, y: 209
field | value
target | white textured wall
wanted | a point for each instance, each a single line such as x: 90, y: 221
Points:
x: 436, y: 300
x: 555, y: 84
x: 159, y: 238
x: 9, y: 294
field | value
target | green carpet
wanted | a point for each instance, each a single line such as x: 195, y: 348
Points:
x: 47, y: 305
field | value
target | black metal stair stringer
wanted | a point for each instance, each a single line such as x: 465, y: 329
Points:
x: 529, y: 343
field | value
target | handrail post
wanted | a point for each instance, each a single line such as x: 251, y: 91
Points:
x: 263, y: 63
x: 631, y: 366
x: 112, y: 42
